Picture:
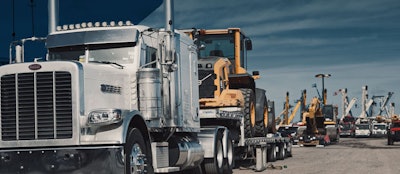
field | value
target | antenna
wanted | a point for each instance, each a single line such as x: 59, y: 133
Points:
x: 32, y: 5
x: 13, y: 20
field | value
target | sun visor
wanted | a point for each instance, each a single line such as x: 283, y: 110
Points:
x: 89, y: 37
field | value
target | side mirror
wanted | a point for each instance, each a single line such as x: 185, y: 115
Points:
x: 249, y: 45
x: 256, y: 73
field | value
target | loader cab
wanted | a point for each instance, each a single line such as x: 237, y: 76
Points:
x: 330, y: 112
x: 230, y: 43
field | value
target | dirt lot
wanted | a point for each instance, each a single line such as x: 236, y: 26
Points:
x: 350, y: 155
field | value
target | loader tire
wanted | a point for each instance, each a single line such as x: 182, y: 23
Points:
x: 249, y: 113
x: 261, y: 127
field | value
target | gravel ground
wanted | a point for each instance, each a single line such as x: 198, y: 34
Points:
x: 350, y: 155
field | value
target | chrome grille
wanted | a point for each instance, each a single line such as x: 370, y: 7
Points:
x: 36, y: 106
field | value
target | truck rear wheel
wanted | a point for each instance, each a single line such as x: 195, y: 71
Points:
x: 137, y: 154
x: 229, y: 159
x: 249, y: 112
x: 215, y: 165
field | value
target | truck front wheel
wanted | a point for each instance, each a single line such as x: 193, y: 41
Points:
x: 137, y: 154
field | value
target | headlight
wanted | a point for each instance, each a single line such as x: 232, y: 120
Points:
x: 301, y: 138
x: 104, y: 117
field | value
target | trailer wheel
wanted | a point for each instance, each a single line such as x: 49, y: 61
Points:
x: 137, y: 154
x: 215, y: 165
x: 281, y: 151
x: 250, y: 112
x: 289, y: 149
x: 271, y: 153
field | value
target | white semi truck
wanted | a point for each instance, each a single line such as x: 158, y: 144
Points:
x: 114, y: 98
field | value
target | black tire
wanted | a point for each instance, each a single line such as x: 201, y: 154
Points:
x: 215, y: 165
x: 137, y: 154
x: 229, y: 162
x: 261, y: 127
x: 271, y: 127
x: 389, y: 140
x: 271, y: 154
x: 249, y: 113
x: 289, y: 149
x: 281, y: 151
x: 196, y: 170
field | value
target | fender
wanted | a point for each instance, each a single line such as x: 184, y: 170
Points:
x: 207, y: 137
x: 134, y: 119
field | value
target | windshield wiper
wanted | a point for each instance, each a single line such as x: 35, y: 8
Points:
x: 108, y: 62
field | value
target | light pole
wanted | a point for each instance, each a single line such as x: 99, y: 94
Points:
x: 323, y: 87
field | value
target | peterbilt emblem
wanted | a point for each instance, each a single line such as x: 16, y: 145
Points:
x: 110, y: 89
x: 34, y: 67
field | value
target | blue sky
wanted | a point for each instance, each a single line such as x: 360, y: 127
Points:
x: 358, y: 42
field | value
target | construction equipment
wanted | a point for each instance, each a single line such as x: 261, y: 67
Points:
x: 379, y: 123
x: 315, y: 132
x: 347, y: 121
x: 287, y: 120
x: 379, y: 127
x: 362, y: 124
x: 243, y: 109
x: 393, y: 134
x: 320, y: 120
x: 233, y: 44
x: 286, y: 127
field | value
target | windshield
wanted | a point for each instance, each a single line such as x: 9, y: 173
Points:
x: 216, y: 45
x: 118, y: 53
x: 381, y: 127
x: 362, y: 126
x: 346, y: 126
